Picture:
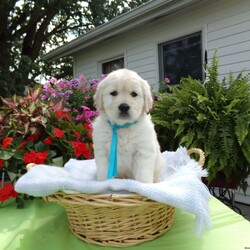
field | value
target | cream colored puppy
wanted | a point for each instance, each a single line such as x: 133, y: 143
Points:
x: 123, y: 97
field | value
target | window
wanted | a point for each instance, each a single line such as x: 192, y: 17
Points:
x: 181, y: 58
x: 110, y: 66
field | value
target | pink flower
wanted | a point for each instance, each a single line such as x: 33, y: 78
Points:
x: 85, y: 108
x: 51, y: 91
x: 47, y: 85
x: 167, y: 81
x: 87, y: 113
x: 53, y: 80
x: 82, y: 78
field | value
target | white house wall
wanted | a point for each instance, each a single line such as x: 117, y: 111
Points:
x: 225, y: 25
x: 231, y: 36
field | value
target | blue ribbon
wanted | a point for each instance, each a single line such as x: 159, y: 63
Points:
x: 112, y: 167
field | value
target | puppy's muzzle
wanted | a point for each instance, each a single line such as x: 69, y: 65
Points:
x: 124, y: 108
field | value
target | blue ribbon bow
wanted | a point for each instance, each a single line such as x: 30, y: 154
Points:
x: 112, y: 167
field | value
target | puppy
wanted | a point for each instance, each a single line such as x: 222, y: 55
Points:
x: 123, y: 97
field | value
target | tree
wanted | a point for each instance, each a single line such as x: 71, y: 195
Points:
x: 29, y: 27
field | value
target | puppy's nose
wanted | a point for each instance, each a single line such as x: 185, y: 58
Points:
x: 124, y: 107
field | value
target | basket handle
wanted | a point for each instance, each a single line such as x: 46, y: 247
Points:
x: 199, y: 152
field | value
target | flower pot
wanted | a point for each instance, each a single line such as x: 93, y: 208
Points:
x: 220, y: 182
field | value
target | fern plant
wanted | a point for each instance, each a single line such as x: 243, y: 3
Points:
x: 214, y: 116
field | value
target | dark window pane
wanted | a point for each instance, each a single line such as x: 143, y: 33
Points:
x: 112, y: 65
x: 182, y: 58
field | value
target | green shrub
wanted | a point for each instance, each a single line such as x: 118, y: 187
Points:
x: 214, y: 116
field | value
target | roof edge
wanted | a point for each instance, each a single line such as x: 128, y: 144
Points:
x: 127, y: 21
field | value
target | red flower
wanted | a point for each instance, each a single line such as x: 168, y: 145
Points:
x: 81, y: 149
x: 21, y: 147
x: 89, y: 134
x: 1, y: 163
x: 35, y: 157
x: 89, y: 128
x: 62, y: 114
x: 48, y: 140
x: 58, y: 132
x: 31, y: 138
x: 78, y: 135
x: 7, y: 192
x: 7, y: 142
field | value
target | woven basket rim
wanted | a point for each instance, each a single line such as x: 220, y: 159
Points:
x: 112, y: 199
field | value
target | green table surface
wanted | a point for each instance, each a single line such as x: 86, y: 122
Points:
x: 42, y: 225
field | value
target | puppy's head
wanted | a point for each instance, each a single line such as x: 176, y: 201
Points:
x: 123, y: 96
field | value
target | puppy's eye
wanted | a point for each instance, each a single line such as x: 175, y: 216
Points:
x: 133, y: 94
x: 114, y: 93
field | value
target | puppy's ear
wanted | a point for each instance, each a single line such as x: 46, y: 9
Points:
x: 148, y: 100
x: 98, y: 97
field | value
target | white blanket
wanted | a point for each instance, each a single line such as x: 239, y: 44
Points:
x: 180, y: 186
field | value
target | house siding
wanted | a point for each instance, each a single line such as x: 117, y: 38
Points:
x: 231, y: 36
x: 225, y: 26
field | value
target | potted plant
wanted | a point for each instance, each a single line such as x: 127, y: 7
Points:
x: 213, y: 116
x: 43, y: 125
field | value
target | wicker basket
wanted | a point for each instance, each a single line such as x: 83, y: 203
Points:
x: 118, y: 220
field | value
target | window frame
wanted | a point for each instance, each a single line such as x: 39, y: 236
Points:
x: 111, y: 60
x: 161, y: 44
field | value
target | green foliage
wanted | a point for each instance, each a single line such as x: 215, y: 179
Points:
x: 101, y: 11
x: 61, y: 68
x: 214, y: 116
x: 28, y: 124
x: 28, y: 28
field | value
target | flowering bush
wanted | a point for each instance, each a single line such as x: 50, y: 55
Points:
x: 48, y: 122
x: 77, y: 94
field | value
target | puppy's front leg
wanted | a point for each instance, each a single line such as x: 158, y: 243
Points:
x: 102, y: 165
x: 143, y: 166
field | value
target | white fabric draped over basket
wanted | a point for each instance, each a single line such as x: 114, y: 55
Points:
x: 180, y: 186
